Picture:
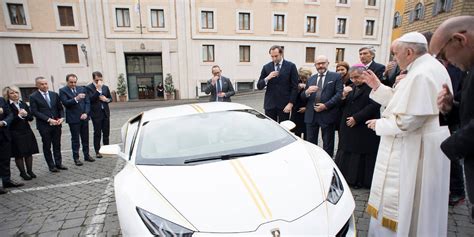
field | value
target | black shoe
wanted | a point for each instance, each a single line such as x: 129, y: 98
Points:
x: 98, y: 155
x: 78, y: 162
x: 3, y: 191
x: 12, y: 184
x: 31, y: 174
x: 54, y: 170
x: 61, y: 167
x: 25, y: 176
x: 90, y: 159
x: 455, y: 200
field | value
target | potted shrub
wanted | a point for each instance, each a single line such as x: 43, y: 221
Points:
x: 169, y: 87
x: 122, y: 88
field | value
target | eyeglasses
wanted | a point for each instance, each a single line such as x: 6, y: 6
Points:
x: 442, y: 51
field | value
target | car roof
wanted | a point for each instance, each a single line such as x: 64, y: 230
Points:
x: 189, y: 109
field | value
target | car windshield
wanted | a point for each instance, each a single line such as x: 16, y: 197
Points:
x: 209, y: 136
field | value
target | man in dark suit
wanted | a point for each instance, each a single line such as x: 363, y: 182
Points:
x: 366, y: 56
x: 280, y: 77
x: 100, y: 97
x: 322, y: 95
x: 47, y: 108
x: 6, y: 118
x: 77, y: 104
x: 220, y: 87
x: 453, y: 40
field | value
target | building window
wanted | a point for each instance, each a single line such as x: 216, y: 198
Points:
x: 244, y: 21
x: 208, y: 53
x: 341, y: 26
x: 441, y: 6
x: 157, y: 18
x: 66, y: 16
x: 278, y: 22
x: 244, y: 51
x: 207, y: 19
x: 71, y: 54
x: 123, y: 17
x: 418, y: 13
x: 17, y: 14
x: 26, y: 92
x: 24, y: 53
x: 310, y: 54
x: 342, y: 1
x: 372, y: 3
x: 397, y: 20
x: 311, y: 24
x: 339, y: 54
x: 311, y: 1
x: 369, y: 27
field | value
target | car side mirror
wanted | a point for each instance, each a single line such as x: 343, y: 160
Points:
x: 288, y: 125
x: 110, y: 150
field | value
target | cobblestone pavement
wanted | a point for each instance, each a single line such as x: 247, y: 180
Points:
x: 80, y: 201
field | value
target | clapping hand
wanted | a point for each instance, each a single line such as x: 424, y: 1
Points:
x: 445, y: 100
x: 22, y: 113
x: 103, y: 98
x: 346, y: 91
x: 311, y: 90
x: 80, y: 96
x: 214, y: 80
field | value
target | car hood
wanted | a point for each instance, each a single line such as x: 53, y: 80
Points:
x: 240, y: 195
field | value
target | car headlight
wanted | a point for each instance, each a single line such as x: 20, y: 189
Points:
x: 162, y: 227
x: 336, y: 189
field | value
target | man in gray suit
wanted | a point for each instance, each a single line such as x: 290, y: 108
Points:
x: 220, y: 87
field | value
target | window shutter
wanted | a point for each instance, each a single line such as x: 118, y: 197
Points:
x: 435, y: 7
x: 422, y: 14
x: 449, y: 5
x: 411, y: 17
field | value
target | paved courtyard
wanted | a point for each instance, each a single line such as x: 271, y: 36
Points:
x: 80, y: 201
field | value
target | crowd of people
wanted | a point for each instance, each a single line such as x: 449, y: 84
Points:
x: 391, y: 123
x: 75, y: 105
x: 403, y: 128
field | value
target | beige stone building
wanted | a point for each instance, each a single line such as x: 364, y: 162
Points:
x: 147, y: 39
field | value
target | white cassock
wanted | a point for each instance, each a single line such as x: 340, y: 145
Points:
x: 410, y: 186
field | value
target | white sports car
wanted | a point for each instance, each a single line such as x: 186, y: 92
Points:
x: 224, y: 169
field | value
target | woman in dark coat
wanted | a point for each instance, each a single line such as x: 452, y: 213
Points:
x: 24, y: 143
x: 297, y: 113
x: 358, y: 145
x: 343, y: 69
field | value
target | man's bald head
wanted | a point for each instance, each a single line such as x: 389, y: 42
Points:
x: 454, y: 39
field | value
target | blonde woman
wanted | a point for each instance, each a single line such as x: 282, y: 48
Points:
x: 297, y: 113
x: 24, y: 143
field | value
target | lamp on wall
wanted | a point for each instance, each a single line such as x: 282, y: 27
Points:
x: 84, y: 50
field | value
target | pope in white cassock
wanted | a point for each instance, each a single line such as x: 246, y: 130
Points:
x: 410, y: 186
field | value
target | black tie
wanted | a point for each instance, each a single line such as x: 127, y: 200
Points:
x: 320, y: 88
x: 278, y: 67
